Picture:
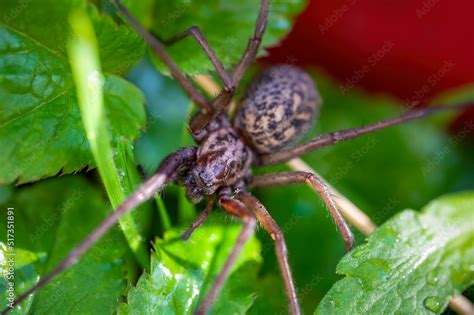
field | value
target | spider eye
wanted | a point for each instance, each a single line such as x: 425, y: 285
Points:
x: 221, y: 171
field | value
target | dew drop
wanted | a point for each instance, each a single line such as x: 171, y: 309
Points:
x: 360, y: 252
x: 375, y: 270
x: 432, y: 278
x: 391, y: 236
x: 433, y: 304
x: 120, y: 174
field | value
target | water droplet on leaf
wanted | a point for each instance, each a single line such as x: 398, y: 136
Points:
x: 433, y: 304
x: 432, y: 278
x: 120, y: 174
x: 360, y: 252
x: 373, y: 271
x: 391, y: 236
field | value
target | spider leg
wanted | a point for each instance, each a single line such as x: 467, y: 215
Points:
x: 195, y: 32
x: 163, y: 175
x: 157, y: 46
x: 222, y: 100
x: 276, y: 234
x: 200, y: 220
x: 318, y: 186
x: 348, y: 134
x: 236, y: 208
x: 254, y: 43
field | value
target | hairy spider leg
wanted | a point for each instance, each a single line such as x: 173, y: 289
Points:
x: 319, y: 187
x: 238, y: 209
x: 348, y: 134
x: 158, y: 47
x: 272, y: 228
x: 147, y: 190
x: 200, y: 220
x: 195, y: 32
x: 221, y: 102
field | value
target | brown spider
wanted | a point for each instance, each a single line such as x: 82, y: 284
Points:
x: 278, y: 108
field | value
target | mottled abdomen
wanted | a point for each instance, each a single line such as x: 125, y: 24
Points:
x: 279, y: 108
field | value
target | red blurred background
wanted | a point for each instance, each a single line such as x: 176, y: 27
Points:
x: 410, y: 49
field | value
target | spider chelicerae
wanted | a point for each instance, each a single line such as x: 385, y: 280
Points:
x: 278, y: 108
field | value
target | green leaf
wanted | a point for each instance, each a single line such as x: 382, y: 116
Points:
x: 227, y: 25
x: 141, y: 10
x: 46, y: 23
x: 182, y: 270
x: 411, y: 264
x: 70, y: 207
x: 41, y: 132
x: 120, y: 47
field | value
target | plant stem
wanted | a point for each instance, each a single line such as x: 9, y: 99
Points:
x: 163, y: 213
x: 89, y: 81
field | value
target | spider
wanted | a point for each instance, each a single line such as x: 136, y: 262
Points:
x: 278, y: 108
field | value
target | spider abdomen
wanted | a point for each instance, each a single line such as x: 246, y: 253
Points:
x: 278, y: 109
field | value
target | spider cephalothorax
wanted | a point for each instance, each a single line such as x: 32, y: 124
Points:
x: 278, y: 108
x: 222, y: 159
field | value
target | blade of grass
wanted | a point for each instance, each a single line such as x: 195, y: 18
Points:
x: 129, y: 180
x: 163, y: 213
x: 88, y: 78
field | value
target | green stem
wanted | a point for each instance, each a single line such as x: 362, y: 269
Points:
x: 163, y: 213
x: 89, y: 80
